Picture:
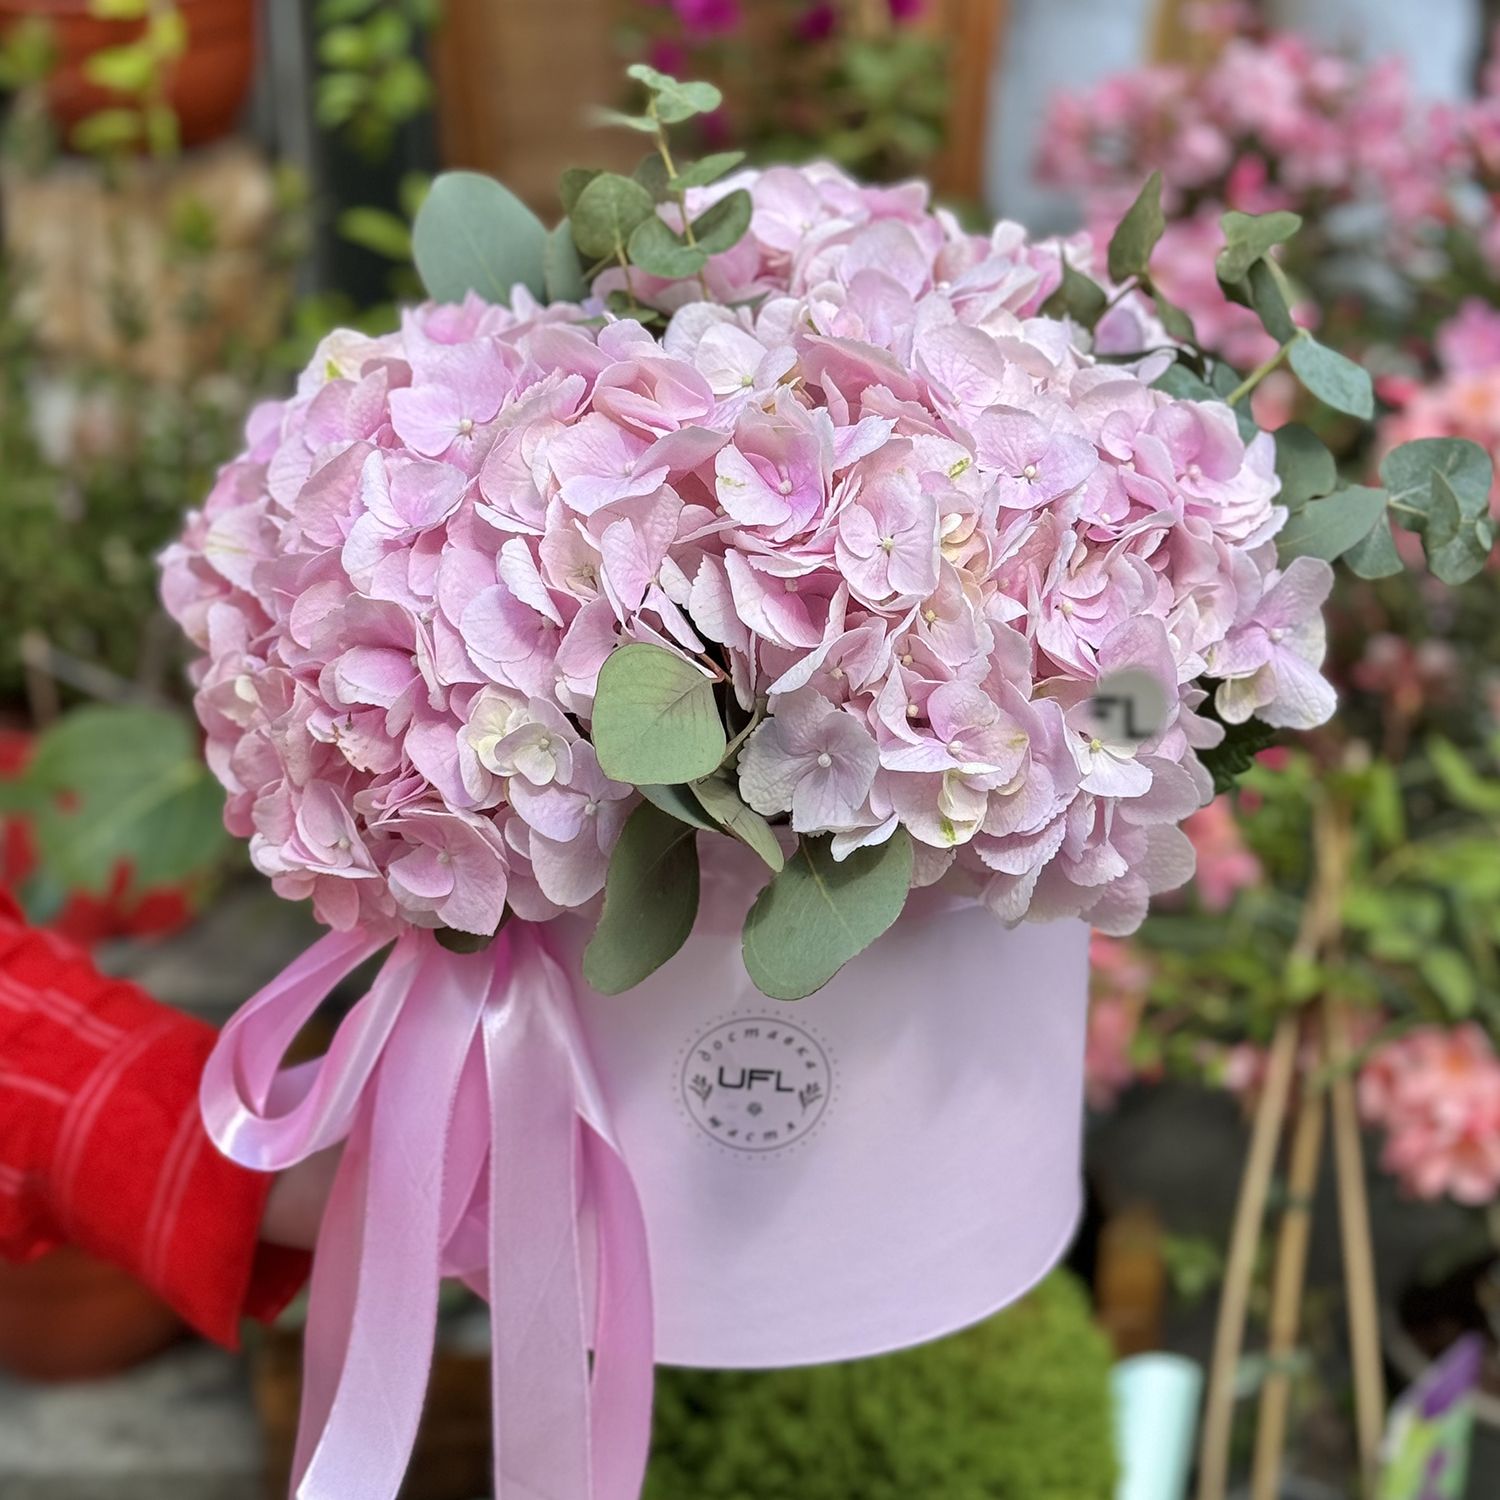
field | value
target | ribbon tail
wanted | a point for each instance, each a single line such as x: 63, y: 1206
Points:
x: 539, y: 1373
x: 385, y: 1238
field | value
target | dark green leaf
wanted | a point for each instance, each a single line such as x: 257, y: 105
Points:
x: 650, y: 901
x: 1332, y: 378
x: 1179, y: 381
x: 1135, y: 238
x: 709, y: 169
x: 565, y: 278
x: 607, y: 212
x: 817, y: 914
x: 376, y: 230
x: 1248, y: 237
x: 1452, y: 980
x: 1463, y: 783
x: 1234, y: 755
x: 675, y: 101
x: 1303, y: 464
x: 655, y: 719
x: 473, y: 235
x: 1078, y: 297
x: 1328, y: 528
x: 722, y: 801
x: 660, y: 252
x: 1177, y: 323
x: 723, y: 226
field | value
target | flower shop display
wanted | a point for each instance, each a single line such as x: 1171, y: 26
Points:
x: 760, y: 542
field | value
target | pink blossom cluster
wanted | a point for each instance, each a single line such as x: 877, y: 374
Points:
x: 1273, y: 122
x: 1120, y: 975
x: 907, y: 516
x: 1436, y: 1094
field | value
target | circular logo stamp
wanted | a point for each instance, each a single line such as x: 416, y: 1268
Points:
x: 756, y: 1083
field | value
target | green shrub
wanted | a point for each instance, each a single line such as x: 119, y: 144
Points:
x: 1017, y: 1408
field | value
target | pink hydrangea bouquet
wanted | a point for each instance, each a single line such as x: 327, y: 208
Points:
x: 748, y: 503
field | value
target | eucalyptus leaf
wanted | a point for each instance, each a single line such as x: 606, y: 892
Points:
x: 1270, y: 302
x: 1177, y: 322
x: 1328, y: 528
x: 1376, y: 556
x: 643, y: 124
x: 656, y: 249
x: 819, y: 913
x: 1332, y: 377
x: 722, y: 801
x: 606, y: 214
x: 723, y: 226
x: 1248, y: 237
x: 1457, y: 544
x: 655, y: 719
x: 650, y: 901
x: 1078, y: 297
x: 709, y: 169
x: 564, y: 271
x: 680, y: 802
x: 1179, y: 381
x: 675, y: 101
x: 572, y: 183
x: 1408, y: 471
x: 473, y: 235
x: 651, y: 172
x: 1303, y: 464
x: 1136, y: 236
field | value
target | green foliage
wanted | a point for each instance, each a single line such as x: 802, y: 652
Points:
x: 655, y: 718
x: 1440, y: 489
x: 1332, y: 377
x: 473, y: 235
x: 1248, y: 238
x: 1330, y: 527
x: 373, y: 81
x: 113, y: 785
x: 819, y: 912
x: 720, y: 798
x: 1017, y: 1408
x: 1303, y: 464
x: 650, y: 901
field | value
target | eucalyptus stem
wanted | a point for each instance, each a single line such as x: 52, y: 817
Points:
x: 1260, y: 372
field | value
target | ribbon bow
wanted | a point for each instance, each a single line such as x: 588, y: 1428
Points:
x: 476, y: 1144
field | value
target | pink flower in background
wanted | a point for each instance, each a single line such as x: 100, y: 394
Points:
x: 1436, y: 1094
x: 1120, y: 976
x: 1469, y: 343
x: 1225, y: 865
x: 708, y: 17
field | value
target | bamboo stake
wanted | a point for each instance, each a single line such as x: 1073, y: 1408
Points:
x: 1239, y: 1274
x: 1361, y: 1287
x: 1288, y: 1290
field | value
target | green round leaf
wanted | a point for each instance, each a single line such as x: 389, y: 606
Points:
x: 1376, y: 556
x: 660, y: 252
x: 1408, y: 471
x: 709, y: 169
x: 655, y: 719
x: 650, y: 901
x: 1332, y: 378
x: 473, y: 235
x: 607, y: 212
x: 1078, y: 297
x: 681, y: 803
x: 818, y: 913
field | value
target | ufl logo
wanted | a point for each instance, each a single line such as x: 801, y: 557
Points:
x: 1128, y: 708
x: 756, y: 1083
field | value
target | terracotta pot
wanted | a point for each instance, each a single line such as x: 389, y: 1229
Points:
x: 68, y: 1316
x: 207, y: 87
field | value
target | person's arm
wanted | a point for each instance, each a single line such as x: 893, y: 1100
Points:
x: 101, y: 1144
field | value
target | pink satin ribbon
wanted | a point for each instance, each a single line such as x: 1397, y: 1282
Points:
x: 476, y: 1145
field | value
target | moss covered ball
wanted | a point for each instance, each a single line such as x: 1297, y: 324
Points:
x: 1017, y: 1408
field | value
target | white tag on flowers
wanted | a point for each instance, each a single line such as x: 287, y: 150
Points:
x: 1129, y: 707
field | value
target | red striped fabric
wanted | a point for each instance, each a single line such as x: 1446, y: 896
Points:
x: 101, y: 1144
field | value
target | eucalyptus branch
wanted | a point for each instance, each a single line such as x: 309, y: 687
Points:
x: 1260, y: 372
